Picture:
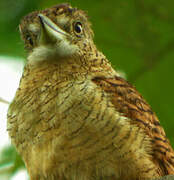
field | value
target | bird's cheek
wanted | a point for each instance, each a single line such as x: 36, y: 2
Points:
x: 65, y: 48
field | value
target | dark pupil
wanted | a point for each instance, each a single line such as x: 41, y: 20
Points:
x: 78, y: 27
x: 30, y: 40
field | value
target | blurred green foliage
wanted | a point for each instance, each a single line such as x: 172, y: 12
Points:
x: 10, y: 161
x: 137, y: 36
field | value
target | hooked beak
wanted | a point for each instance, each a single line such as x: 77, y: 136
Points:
x: 50, y: 32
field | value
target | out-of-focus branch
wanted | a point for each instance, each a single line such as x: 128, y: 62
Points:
x: 4, y: 101
x: 6, y: 170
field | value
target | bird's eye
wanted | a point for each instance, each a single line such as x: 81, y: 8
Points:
x: 29, y: 39
x: 78, y: 28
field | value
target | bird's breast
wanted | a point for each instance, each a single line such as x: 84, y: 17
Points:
x: 74, y: 127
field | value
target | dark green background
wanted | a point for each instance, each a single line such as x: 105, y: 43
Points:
x: 137, y: 36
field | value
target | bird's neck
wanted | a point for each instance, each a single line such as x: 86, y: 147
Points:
x: 92, y: 63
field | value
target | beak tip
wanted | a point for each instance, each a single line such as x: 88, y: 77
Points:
x: 40, y: 16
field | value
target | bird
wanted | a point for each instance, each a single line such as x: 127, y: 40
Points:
x: 73, y: 116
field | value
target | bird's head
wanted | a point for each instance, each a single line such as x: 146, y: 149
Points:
x: 57, y: 31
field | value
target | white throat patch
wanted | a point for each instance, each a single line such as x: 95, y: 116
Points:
x: 48, y: 52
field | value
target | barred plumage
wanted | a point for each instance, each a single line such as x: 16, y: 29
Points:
x: 73, y: 117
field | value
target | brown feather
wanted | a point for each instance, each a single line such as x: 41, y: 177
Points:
x: 130, y: 103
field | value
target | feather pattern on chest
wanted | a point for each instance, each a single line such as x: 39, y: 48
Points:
x: 73, y: 117
x: 75, y: 125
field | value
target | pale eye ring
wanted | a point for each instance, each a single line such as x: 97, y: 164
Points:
x: 78, y: 28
